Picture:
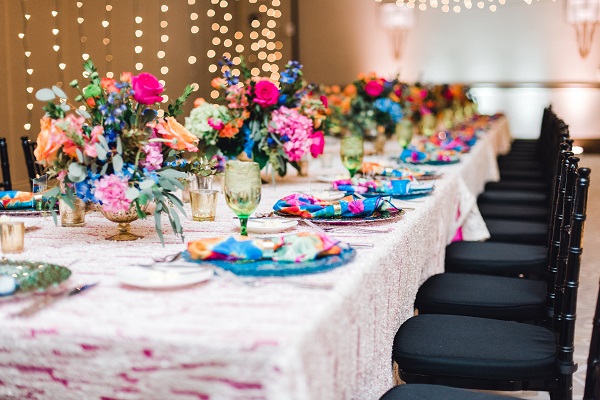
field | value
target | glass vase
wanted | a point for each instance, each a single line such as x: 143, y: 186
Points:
x: 72, y: 217
x: 404, y: 132
x: 196, y: 182
x: 124, y: 219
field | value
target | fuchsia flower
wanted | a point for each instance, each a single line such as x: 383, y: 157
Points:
x: 265, y: 94
x: 325, y: 101
x: 216, y: 124
x: 146, y: 89
x: 374, y: 88
x: 110, y: 190
x: 356, y: 207
x: 318, y: 144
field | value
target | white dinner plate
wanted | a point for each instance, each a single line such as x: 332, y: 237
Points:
x: 332, y: 178
x: 163, y: 278
x: 328, y: 195
x: 267, y: 225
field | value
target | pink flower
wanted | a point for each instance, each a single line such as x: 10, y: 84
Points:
x: 374, y: 88
x: 154, y: 157
x: 110, y: 190
x: 216, y: 124
x: 318, y: 144
x: 294, y: 129
x: 146, y: 89
x: 356, y: 207
x: 265, y: 94
x: 324, y: 100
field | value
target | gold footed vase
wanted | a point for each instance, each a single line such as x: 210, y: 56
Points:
x: 124, y: 219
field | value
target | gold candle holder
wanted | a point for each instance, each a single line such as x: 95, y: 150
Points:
x: 72, y: 217
x: 12, y: 237
x: 204, y: 204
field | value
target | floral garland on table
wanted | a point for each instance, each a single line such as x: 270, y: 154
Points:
x: 113, y: 152
x: 271, y: 123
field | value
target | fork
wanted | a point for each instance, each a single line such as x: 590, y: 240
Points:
x: 346, y: 229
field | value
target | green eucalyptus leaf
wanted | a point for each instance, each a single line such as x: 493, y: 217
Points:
x: 51, y: 192
x: 166, y: 184
x: 103, y: 142
x: 83, y: 113
x: 158, y: 226
x: 65, y: 107
x: 104, y: 169
x: 171, y: 173
x: 117, y: 162
x: 45, y: 95
x: 59, y: 92
x: 132, y: 194
x: 147, y: 183
x: 119, y: 145
x: 100, y: 151
x: 76, y: 172
x: 79, y: 155
x: 178, y: 203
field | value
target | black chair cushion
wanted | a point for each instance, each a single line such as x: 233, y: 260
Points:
x: 512, y: 231
x: 517, y: 163
x: 492, y: 258
x: 535, y: 186
x: 437, y: 392
x: 528, y: 174
x: 514, y: 211
x: 483, y: 296
x: 479, y: 348
x: 524, y: 197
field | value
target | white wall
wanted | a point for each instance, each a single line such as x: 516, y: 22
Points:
x: 519, y: 43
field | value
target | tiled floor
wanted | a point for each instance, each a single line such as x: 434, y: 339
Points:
x: 588, y: 282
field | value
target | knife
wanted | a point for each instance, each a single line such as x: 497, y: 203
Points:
x: 48, y: 300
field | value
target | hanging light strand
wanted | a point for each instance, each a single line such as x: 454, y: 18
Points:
x: 57, y: 45
x: 108, y: 38
x: 194, y: 29
x: 138, y: 34
x: 80, y: 30
x: 164, y: 38
x: 450, y: 5
x: 24, y: 36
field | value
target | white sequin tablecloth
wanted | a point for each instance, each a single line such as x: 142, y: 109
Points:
x: 222, y: 340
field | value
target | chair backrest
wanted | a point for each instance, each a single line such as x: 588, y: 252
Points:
x: 33, y: 169
x: 567, y: 278
x: 6, y: 183
x: 555, y: 234
x: 592, y: 376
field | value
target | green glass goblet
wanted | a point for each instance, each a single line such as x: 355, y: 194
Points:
x: 242, y: 189
x: 352, y: 152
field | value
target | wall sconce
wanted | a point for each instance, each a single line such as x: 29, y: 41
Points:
x: 584, y: 15
x: 397, y: 20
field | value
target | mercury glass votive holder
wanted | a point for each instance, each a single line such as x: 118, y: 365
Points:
x: 204, y: 204
x: 12, y: 237
x: 72, y: 217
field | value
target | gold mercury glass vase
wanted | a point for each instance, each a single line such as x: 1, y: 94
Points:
x: 124, y: 219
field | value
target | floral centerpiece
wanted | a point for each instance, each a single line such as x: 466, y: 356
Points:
x: 374, y: 105
x: 112, y: 150
x: 270, y: 122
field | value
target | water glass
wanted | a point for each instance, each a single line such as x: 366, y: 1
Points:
x: 352, y: 152
x: 242, y: 188
x: 204, y: 204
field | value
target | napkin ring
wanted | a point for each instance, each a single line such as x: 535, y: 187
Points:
x: 337, y: 209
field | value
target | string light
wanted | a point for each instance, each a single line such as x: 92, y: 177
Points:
x: 164, y: 38
x: 57, y: 45
x: 138, y: 34
x: 194, y: 29
x: 24, y: 36
x: 107, y: 41
x: 446, y: 7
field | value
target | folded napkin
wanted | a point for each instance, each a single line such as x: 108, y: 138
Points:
x: 303, y: 246
x: 414, y: 156
x: 378, y: 169
x: 392, y: 187
x: 11, y: 200
x: 306, y: 206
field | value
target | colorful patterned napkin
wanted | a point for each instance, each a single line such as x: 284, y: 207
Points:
x: 306, y: 206
x: 303, y: 246
x: 11, y: 200
x: 393, y: 187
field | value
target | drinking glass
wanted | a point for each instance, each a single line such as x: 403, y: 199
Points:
x: 352, y: 152
x: 242, y: 188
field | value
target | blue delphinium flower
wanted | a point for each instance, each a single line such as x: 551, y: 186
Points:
x: 291, y: 72
x: 248, y: 141
x: 389, y: 107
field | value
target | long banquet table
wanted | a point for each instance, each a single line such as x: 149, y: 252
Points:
x: 224, y: 340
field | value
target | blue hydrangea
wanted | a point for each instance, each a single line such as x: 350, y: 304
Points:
x: 248, y: 141
x: 389, y: 107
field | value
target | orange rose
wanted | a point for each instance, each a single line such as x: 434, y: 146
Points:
x: 125, y: 76
x: 216, y: 82
x: 336, y: 89
x: 229, y: 131
x: 49, y: 141
x: 181, y: 138
x: 350, y: 90
x: 108, y: 85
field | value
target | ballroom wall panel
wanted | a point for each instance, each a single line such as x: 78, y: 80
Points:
x: 189, y: 26
x: 517, y: 44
